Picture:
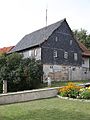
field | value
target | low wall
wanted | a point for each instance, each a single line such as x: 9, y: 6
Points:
x: 28, y: 95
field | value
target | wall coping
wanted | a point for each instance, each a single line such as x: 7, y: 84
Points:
x: 28, y: 91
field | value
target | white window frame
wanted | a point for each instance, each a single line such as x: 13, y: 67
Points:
x: 55, y: 53
x: 75, y: 56
x: 30, y: 53
x: 71, y: 42
x: 35, y: 52
x: 56, y: 38
x: 66, y: 55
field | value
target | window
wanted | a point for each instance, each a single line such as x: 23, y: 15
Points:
x: 75, y: 56
x: 30, y: 53
x: 66, y: 55
x: 55, y: 53
x: 35, y: 52
x: 70, y: 42
x: 56, y: 39
x: 73, y: 69
x: 51, y: 66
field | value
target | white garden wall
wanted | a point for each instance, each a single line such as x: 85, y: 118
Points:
x: 28, y: 95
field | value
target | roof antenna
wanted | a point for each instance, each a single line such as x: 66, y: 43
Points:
x: 46, y: 16
x: 44, y: 33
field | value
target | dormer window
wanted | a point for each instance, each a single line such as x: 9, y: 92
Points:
x: 55, y: 53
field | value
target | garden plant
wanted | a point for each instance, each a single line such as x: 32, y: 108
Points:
x: 74, y: 91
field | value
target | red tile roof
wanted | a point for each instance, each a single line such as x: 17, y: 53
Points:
x: 85, y: 51
x: 5, y: 49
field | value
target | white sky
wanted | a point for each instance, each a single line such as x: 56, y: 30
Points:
x: 21, y: 17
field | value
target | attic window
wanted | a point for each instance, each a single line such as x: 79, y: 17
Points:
x: 70, y: 42
x: 66, y: 55
x: 56, y: 38
x: 75, y: 56
x: 55, y: 53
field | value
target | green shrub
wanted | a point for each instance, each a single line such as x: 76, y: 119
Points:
x: 73, y: 93
x: 21, y: 74
x: 85, y: 94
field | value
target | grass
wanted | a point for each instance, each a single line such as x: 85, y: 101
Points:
x: 46, y: 109
x: 63, y: 83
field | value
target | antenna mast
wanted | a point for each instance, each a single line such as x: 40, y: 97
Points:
x: 46, y: 16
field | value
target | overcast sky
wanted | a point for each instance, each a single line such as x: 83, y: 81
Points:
x: 21, y: 17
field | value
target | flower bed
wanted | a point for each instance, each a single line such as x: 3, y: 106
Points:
x: 74, y: 91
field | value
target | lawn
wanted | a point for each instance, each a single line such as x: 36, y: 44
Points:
x: 63, y: 83
x: 46, y: 109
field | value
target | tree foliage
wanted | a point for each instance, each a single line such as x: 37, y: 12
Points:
x: 20, y: 73
x: 83, y: 37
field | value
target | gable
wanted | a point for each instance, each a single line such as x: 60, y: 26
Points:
x: 61, y: 40
x: 65, y: 39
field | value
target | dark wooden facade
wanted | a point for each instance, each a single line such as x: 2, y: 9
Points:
x: 61, y: 40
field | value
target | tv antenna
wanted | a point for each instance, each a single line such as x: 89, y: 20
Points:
x: 46, y: 15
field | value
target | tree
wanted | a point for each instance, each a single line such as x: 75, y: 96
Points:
x: 83, y: 37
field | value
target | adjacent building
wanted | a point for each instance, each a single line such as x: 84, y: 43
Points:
x: 6, y: 49
x: 85, y: 62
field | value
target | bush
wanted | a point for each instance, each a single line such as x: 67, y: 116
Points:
x: 71, y: 90
x: 21, y: 74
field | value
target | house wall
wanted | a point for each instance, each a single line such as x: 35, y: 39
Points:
x: 85, y: 73
x: 85, y: 63
x: 85, y: 69
x: 33, y: 53
x: 62, y: 41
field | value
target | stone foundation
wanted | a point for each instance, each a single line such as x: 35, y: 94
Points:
x: 64, y: 73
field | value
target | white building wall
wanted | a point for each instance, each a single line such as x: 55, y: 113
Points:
x: 33, y: 53
x: 38, y: 54
x: 85, y: 69
x: 26, y: 54
x: 85, y: 63
x: 76, y: 73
